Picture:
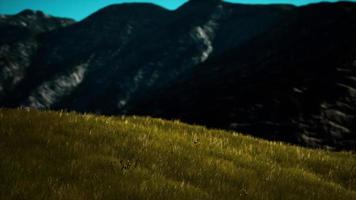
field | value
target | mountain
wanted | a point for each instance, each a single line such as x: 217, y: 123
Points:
x: 275, y: 71
x: 296, y: 82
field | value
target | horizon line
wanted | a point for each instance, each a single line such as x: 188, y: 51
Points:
x: 165, y: 7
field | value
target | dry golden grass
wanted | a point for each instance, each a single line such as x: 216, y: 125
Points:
x: 58, y: 155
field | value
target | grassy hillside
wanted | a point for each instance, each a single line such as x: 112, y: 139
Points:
x: 58, y: 155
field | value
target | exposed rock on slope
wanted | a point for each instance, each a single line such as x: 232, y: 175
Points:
x: 18, y: 44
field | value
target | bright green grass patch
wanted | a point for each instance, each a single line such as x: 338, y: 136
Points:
x: 58, y: 155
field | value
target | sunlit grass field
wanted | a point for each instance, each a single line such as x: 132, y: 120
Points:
x: 59, y: 155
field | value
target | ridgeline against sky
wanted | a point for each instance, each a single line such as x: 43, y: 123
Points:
x: 79, y: 9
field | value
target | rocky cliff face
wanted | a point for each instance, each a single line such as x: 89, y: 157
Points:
x: 279, y: 72
x: 18, y: 44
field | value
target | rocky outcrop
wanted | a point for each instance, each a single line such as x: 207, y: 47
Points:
x: 18, y: 44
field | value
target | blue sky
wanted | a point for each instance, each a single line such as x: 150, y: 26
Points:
x: 78, y: 9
